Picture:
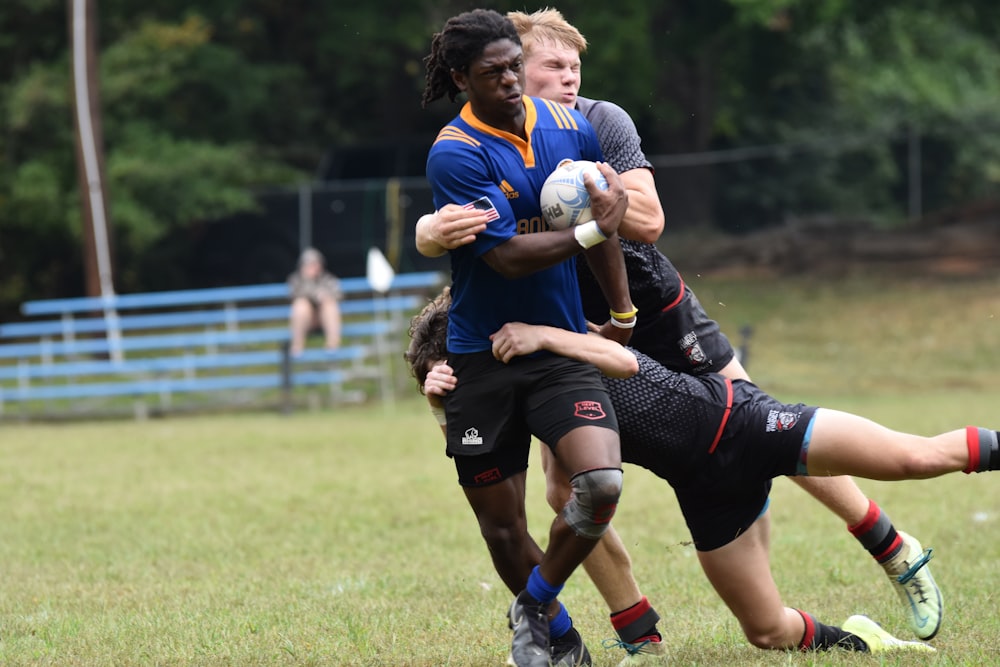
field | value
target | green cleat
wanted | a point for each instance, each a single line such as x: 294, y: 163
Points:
x: 877, y: 639
x: 911, y: 577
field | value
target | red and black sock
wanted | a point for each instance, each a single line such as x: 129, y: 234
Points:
x: 637, y: 623
x: 821, y: 637
x: 984, y: 449
x: 877, y: 534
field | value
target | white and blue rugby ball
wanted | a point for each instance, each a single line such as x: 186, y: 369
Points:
x: 564, y: 198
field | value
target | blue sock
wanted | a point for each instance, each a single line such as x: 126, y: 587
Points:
x: 540, y: 589
x: 561, y: 624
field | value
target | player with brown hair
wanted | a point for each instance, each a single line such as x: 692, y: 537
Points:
x: 719, y: 442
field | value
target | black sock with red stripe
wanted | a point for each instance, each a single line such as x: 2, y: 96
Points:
x: 821, y: 637
x: 984, y: 449
x: 637, y: 623
x: 877, y: 534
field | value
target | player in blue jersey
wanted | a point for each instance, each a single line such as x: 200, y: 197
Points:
x: 719, y: 442
x: 494, y: 156
x: 672, y: 327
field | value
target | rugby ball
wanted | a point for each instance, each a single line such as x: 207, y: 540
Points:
x: 564, y: 198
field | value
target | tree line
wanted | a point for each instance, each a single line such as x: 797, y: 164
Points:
x: 202, y: 103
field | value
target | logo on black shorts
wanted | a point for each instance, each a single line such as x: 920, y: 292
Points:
x: 487, y: 476
x: 781, y: 421
x: 589, y: 410
x: 472, y: 437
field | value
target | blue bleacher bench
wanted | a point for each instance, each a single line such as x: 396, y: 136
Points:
x: 158, y: 344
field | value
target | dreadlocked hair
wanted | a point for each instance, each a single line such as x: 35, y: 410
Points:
x: 428, y: 337
x: 461, y: 41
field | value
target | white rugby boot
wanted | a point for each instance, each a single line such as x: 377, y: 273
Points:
x: 911, y: 577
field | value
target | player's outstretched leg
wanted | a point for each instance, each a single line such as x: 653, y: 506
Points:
x: 874, y: 530
x: 740, y: 572
x: 846, y: 444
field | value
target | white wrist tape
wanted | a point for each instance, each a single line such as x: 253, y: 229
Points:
x: 624, y: 325
x: 439, y: 415
x: 589, y: 234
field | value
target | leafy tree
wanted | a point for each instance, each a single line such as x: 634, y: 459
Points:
x: 842, y: 83
x: 205, y: 102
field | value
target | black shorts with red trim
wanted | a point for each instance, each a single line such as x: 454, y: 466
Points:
x: 683, y: 337
x: 762, y: 440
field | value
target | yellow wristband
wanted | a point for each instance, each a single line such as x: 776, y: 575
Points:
x: 625, y: 316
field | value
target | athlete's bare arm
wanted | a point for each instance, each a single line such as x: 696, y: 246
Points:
x: 440, y: 380
x: 448, y: 228
x: 517, y: 339
x: 644, y: 218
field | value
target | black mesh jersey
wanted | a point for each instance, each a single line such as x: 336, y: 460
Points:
x: 667, y: 421
x: 653, y: 280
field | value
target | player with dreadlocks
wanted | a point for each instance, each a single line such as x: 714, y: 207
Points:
x: 495, y: 156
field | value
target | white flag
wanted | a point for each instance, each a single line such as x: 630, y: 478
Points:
x: 380, y: 273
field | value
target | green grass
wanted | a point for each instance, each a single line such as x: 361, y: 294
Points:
x: 341, y: 537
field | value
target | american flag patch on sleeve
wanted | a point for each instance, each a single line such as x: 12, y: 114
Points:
x: 484, y: 205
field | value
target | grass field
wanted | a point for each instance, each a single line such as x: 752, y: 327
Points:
x: 341, y: 537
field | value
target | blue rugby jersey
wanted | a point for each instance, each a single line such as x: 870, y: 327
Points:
x: 469, y: 160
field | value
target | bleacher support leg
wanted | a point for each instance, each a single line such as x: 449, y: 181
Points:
x: 286, y: 378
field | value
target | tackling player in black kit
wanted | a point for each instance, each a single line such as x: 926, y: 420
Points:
x: 719, y: 443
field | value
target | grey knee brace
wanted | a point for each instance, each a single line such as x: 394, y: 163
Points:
x: 594, y: 501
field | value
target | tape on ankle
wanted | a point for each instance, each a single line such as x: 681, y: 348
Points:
x: 439, y: 415
x: 637, y: 621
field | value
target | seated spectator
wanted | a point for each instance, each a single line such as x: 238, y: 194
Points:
x: 315, y: 295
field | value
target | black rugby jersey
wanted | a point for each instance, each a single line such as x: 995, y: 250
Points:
x: 653, y: 280
x: 669, y: 421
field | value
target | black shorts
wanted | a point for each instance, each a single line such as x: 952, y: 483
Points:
x: 763, y: 439
x: 683, y: 337
x: 495, y: 409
